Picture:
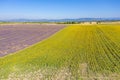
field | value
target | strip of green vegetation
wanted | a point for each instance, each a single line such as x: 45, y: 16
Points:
x: 27, y: 22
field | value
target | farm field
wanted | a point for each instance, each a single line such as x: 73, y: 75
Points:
x: 14, y: 37
x: 77, y: 52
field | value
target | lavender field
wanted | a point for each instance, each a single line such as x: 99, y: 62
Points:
x: 14, y: 37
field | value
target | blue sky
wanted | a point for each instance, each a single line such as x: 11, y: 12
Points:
x: 59, y: 9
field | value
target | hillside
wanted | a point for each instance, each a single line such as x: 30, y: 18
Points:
x: 61, y: 20
x: 74, y: 53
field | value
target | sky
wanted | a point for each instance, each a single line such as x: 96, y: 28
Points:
x: 59, y: 9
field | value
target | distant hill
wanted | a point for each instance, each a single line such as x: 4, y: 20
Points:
x: 60, y: 20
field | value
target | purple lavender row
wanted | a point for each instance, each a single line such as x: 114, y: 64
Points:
x: 22, y: 36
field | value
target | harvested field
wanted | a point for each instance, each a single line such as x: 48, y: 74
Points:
x: 14, y: 37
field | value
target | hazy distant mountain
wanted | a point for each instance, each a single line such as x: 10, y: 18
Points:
x: 61, y: 20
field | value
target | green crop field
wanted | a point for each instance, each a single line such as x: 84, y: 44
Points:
x: 77, y: 52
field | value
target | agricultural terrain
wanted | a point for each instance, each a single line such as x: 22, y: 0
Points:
x: 14, y: 37
x: 77, y: 52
